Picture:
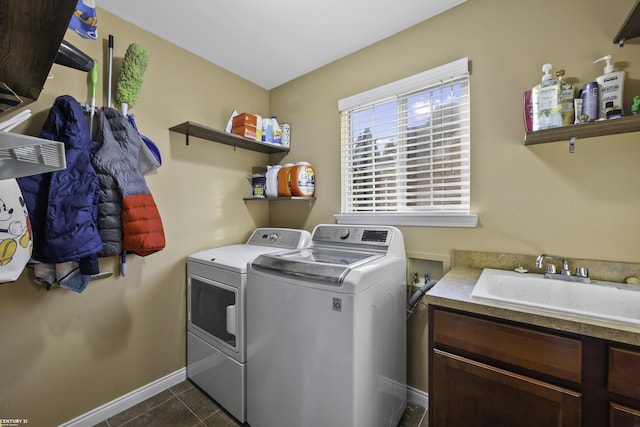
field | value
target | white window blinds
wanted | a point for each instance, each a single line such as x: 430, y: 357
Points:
x: 405, y: 145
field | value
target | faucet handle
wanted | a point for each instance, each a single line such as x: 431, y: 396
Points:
x: 550, y: 268
x: 582, y: 272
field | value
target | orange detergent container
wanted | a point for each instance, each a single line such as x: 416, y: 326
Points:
x: 303, y: 180
x: 284, y: 176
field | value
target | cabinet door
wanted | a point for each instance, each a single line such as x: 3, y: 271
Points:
x: 621, y: 416
x: 624, y: 372
x: 468, y: 393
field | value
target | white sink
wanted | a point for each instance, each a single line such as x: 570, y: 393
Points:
x: 609, y: 301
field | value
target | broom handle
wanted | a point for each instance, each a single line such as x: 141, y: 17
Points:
x: 110, y: 70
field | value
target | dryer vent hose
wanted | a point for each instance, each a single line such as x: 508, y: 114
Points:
x: 417, y: 296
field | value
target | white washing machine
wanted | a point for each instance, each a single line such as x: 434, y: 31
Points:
x: 216, y: 340
x: 326, y: 331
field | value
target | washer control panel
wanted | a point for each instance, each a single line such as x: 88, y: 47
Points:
x: 352, y: 234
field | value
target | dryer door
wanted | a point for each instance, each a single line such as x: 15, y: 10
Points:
x: 213, y: 311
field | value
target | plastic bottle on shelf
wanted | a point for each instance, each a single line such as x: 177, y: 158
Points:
x: 610, y: 87
x: 589, y: 96
x: 272, y: 180
x: 546, y: 99
x: 284, y: 177
x: 277, y: 132
x: 567, y: 95
x: 303, y: 180
x: 635, y: 107
x: 267, y: 130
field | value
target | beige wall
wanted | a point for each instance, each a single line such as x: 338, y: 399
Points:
x: 530, y: 199
x: 64, y: 354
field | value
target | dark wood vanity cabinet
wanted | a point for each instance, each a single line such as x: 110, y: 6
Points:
x: 490, y: 372
x: 624, y: 386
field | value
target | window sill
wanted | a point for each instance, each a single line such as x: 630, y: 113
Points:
x: 408, y: 219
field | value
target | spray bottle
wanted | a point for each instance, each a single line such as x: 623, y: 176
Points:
x: 546, y: 98
x: 610, y: 87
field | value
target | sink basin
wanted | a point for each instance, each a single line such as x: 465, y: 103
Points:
x: 609, y: 301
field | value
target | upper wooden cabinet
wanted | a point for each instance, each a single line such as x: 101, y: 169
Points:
x: 30, y: 34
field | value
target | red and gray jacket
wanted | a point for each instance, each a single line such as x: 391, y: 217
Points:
x: 128, y: 218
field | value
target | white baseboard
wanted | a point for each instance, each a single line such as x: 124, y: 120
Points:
x: 417, y: 397
x: 127, y: 401
x: 108, y: 410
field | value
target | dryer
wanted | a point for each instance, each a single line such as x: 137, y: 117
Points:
x: 216, y: 314
x: 326, y: 331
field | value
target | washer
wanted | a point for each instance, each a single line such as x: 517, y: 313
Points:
x: 326, y: 331
x: 216, y: 341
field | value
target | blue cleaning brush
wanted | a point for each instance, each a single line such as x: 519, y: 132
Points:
x: 134, y: 65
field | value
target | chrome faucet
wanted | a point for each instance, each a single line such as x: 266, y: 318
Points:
x: 565, y: 263
x: 581, y: 276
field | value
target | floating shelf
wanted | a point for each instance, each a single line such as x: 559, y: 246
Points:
x: 276, y: 199
x: 215, y: 135
x: 586, y: 130
x: 631, y: 27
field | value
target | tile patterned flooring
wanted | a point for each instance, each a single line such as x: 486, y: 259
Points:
x: 185, y: 405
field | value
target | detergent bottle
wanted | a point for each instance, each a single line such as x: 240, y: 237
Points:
x: 284, y: 180
x: 302, y: 180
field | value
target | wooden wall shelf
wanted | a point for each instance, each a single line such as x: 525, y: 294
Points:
x: 222, y: 137
x: 631, y: 26
x: 586, y: 130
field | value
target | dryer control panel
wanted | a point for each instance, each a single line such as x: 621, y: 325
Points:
x: 285, y: 238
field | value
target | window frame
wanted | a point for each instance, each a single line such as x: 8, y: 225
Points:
x: 418, y: 82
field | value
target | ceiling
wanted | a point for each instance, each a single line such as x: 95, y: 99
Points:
x: 272, y: 43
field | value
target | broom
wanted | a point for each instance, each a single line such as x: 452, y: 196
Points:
x: 134, y: 65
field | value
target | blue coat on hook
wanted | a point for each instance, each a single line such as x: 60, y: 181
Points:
x: 63, y: 205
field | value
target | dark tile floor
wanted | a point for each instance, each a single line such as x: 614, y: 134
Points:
x: 185, y: 405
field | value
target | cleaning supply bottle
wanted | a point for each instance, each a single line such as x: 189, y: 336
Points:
x: 302, y: 180
x: 272, y: 180
x: 284, y: 180
x: 547, y: 108
x: 610, y: 87
x: 267, y: 130
x: 277, y: 132
x: 567, y: 95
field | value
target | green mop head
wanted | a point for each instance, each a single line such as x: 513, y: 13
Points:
x: 134, y: 65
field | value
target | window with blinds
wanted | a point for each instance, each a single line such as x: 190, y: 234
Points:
x: 405, y: 146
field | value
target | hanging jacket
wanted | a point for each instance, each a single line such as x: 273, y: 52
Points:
x: 128, y: 216
x: 63, y: 205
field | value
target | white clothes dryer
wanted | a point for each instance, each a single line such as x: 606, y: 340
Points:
x: 326, y: 331
x: 216, y: 315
